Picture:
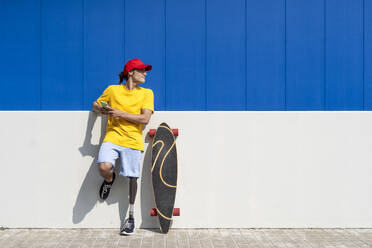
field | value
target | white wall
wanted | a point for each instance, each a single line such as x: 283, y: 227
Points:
x: 236, y: 169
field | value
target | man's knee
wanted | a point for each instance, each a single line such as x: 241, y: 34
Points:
x: 105, y: 169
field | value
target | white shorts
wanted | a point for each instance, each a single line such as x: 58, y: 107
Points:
x: 130, y: 159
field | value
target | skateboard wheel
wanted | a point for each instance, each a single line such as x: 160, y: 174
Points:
x: 152, y: 132
x: 153, y: 212
x: 175, y: 132
x: 176, y: 212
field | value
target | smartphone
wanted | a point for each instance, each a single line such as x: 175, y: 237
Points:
x: 104, y: 105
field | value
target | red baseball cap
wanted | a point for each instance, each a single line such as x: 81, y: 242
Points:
x: 135, y: 64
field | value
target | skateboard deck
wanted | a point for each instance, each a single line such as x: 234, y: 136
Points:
x: 164, y: 174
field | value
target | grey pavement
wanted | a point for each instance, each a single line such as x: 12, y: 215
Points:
x: 198, y: 238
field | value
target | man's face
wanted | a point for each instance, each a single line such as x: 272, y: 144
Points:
x: 139, y: 76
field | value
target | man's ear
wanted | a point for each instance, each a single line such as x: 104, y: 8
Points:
x: 130, y: 73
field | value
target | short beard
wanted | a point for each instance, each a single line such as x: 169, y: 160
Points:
x: 139, y: 82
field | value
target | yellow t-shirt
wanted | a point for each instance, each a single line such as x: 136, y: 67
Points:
x: 119, y: 131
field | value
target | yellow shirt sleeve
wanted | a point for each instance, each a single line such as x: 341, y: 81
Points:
x: 105, y: 96
x: 148, y: 102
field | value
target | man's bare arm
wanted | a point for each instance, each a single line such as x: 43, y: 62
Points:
x: 142, y: 118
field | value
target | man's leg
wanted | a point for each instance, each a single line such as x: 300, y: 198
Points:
x: 128, y: 228
x: 132, y: 195
x: 131, y: 161
x: 106, y: 160
x: 107, y: 171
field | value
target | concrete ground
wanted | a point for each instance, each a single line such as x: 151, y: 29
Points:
x: 198, y: 238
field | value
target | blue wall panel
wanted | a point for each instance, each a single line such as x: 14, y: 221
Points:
x: 62, y: 55
x: 185, y: 55
x: 145, y: 39
x: 265, y: 55
x: 305, y: 55
x: 368, y: 54
x: 225, y: 55
x: 344, y: 55
x: 103, y: 47
x: 20, y: 55
x: 206, y: 55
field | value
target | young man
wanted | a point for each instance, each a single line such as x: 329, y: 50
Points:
x: 129, y: 108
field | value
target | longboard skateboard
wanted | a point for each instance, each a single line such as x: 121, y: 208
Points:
x: 164, y: 174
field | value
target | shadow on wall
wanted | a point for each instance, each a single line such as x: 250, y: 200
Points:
x: 147, y: 195
x: 89, y: 191
x: 88, y: 195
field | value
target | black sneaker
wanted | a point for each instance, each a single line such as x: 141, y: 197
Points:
x: 104, y: 191
x: 128, y: 228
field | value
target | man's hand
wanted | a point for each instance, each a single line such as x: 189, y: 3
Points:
x: 114, y: 112
x: 103, y: 111
x: 99, y: 109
